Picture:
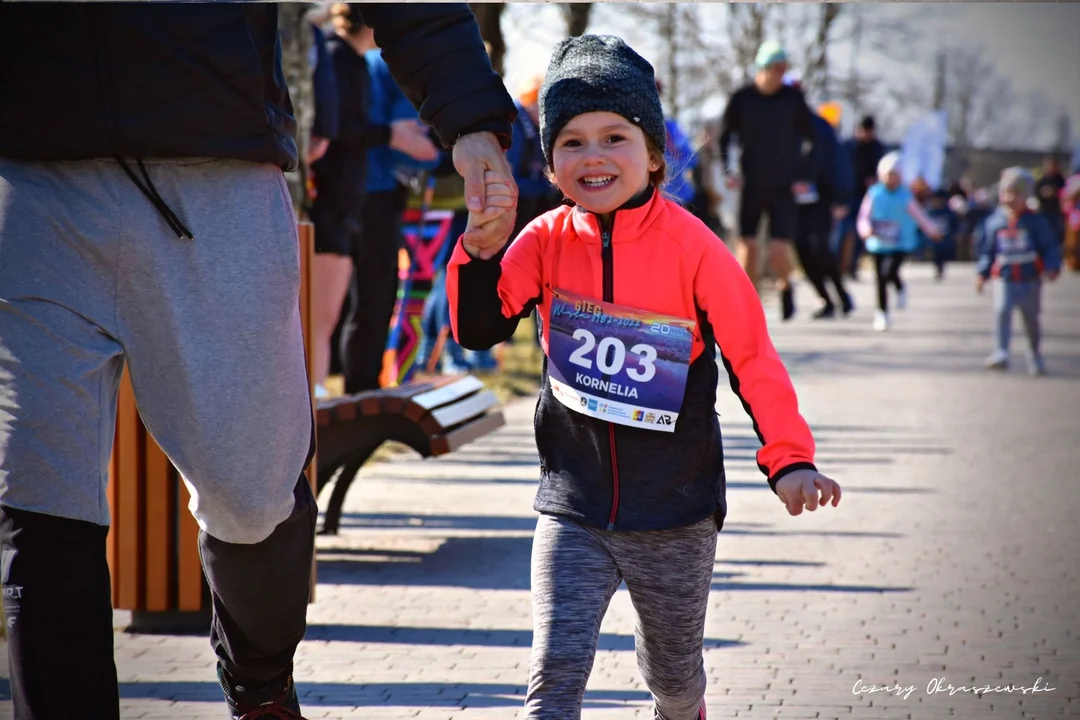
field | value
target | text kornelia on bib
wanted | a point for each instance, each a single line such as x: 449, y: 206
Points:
x: 617, y: 363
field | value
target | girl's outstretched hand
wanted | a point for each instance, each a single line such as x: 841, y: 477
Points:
x: 807, y: 488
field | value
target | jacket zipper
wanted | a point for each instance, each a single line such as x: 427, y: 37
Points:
x: 607, y: 262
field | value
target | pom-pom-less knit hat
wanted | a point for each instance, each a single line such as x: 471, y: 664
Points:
x: 599, y: 73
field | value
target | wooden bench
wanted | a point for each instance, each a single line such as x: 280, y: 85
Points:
x: 432, y: 417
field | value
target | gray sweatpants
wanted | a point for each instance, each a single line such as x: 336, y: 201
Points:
x: 1025, y: 297
x: 575, y: 572
x: 91, y: 277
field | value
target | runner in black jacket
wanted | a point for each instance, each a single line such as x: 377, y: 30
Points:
x: 145, y: 222
x: 778, y: 159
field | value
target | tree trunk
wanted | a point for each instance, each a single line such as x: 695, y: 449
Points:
x: 669, y: 32
x: 940, y: 70
x: 296, y: 40
x: 577, y: 17
x: 489, y: 17
x: 816, y: 77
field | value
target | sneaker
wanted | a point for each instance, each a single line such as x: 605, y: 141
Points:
x: 826, y: 313
x: 285, y: 707
x: 901, y: 299
x: 997, y: 360
x: 1036, y: 366
x: 787, y: 302
x: 881, y: 321
x: 847, y: 305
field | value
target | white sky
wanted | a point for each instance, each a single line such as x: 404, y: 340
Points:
x: 1035, y: 45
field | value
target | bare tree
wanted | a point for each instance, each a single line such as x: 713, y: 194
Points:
x: 1062, y: 132
x: 489, y: 18
x: 815, y: 76
x: 968, y: 75
x: 940, y: 78
x: 747, y: 24
x: 294, y: 29
x: 577, y: 16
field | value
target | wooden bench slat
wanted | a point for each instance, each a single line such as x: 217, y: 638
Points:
x: 445, y: 418
x: 396, y: 400
x: 465, y: 434
x: 158, y: 529
x: 420, y: 405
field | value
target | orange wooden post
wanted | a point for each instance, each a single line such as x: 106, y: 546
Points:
x: 306, y: 231
x: 126, y: 516
x: 159, y: 523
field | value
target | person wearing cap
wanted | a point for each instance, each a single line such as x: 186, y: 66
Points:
x: 680, y: 158
x: 1017, y: 250
x: 817, y: 212
x: 888, y: 221
x: 777, y: 162
x: 526, y: 156
x: 1048, y: 192
x: 866, y: 152
x: 146, y: 224
x: 948, y: 221
x: 358, y: 206
x: 635, y: 294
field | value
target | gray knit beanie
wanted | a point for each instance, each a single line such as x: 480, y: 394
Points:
x: 599, y: 73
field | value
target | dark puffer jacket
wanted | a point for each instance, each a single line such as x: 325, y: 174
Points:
x: 86, y: 80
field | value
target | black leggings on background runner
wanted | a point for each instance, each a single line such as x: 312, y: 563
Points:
x: 816, y: 257
x: 373, y: 290
x: 887, y: 269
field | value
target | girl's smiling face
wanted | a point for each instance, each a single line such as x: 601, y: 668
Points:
x: 601, y: 160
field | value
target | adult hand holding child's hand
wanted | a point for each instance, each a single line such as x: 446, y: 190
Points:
x: 490, y: 193
x: 807, y: 489
x: 488, y: 230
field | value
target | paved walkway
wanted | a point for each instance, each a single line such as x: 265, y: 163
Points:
x: 953, y: 555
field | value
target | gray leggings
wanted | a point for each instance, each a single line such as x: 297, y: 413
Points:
x: 575, y: 572
x: 1023, y: 296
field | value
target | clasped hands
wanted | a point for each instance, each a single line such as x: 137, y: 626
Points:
x: 490, y: 193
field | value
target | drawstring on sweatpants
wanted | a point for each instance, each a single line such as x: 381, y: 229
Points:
x: 152, y: 195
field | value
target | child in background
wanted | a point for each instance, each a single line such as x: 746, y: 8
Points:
x: 635, y: 294
x: 889, y: 219
x: 948, y: 222
x: 1017, y: 248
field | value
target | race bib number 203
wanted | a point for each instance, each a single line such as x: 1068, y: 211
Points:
x: 617, y: 363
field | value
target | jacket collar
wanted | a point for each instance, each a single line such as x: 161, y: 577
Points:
x: 631, y: 219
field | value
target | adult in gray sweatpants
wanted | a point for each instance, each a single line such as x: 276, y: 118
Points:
x: 145, y: 221
x: 576, y: 570
x: 91, y: 279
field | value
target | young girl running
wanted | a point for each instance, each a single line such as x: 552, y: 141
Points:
x: 634, y: 294
x: 889, y: 220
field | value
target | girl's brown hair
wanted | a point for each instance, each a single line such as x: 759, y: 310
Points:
x: 657, y: 177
